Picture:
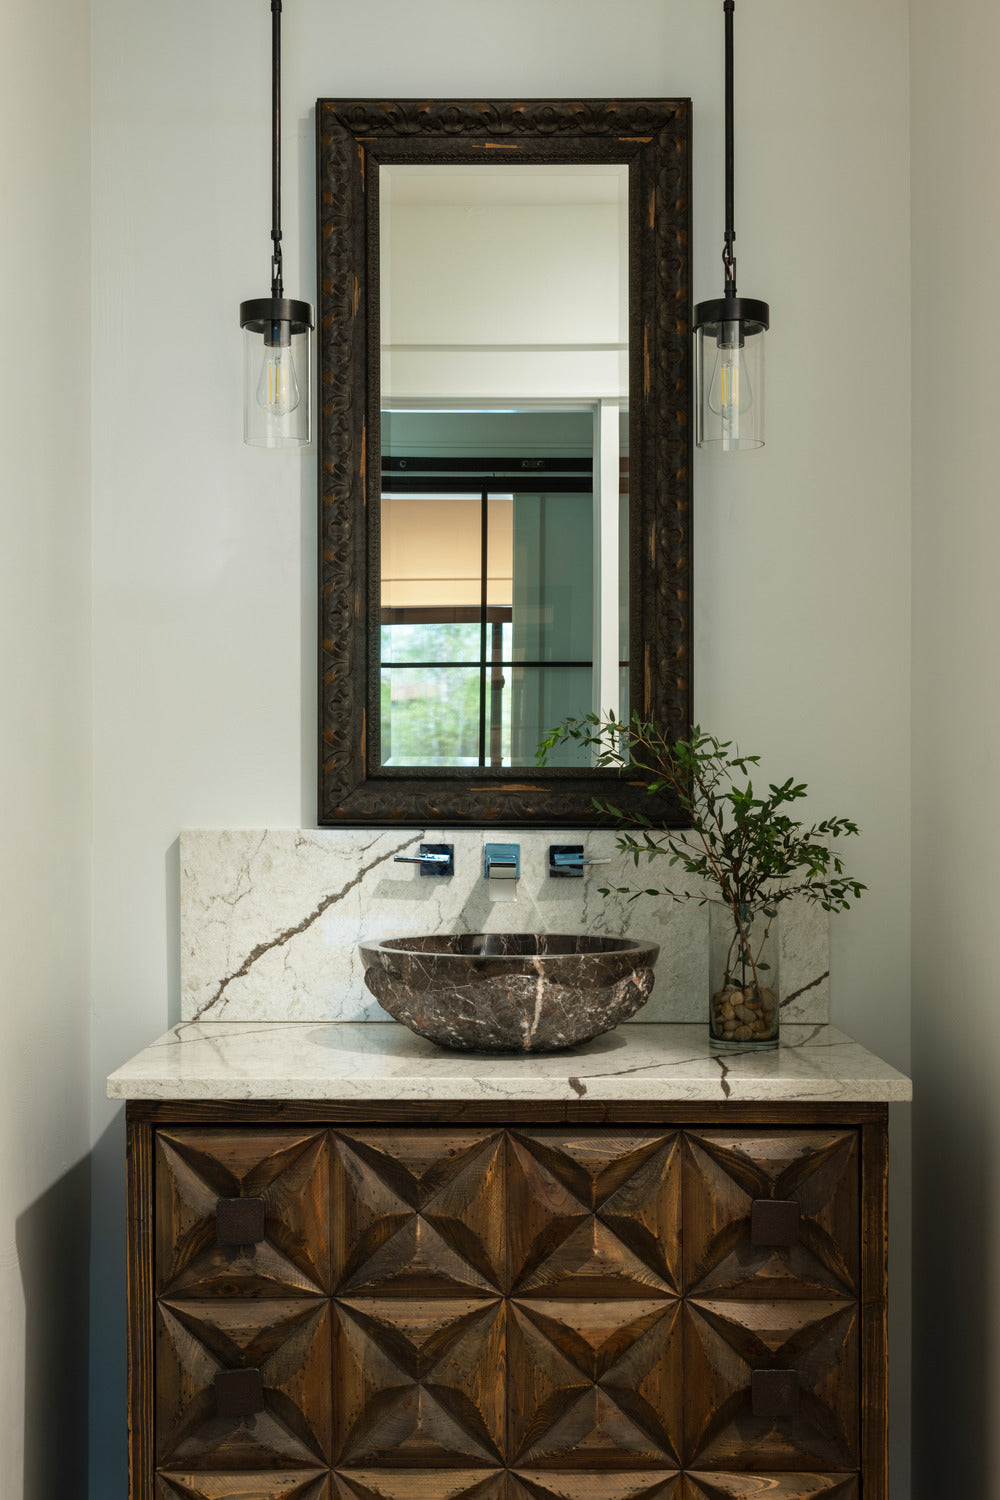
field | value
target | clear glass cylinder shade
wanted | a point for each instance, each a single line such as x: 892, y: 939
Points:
x: 277, y: 395
x: 729, y: 387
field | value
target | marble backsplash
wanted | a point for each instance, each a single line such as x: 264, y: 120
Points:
x: 271, y: 919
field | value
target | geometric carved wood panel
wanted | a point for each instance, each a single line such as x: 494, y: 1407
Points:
x: 444, y: 1313
x: 595, y: 1391
x: 725, y: 1171
x: 769, y: 1487
x: 419, y: 1213
x: 288, y: 1169
x: 420, y: 1484
x: 241, y: 1486
x: 287, y: 1341
x: 594, y: 1214
x: 528, y: 1485
x: 563, y: 1373
x: 419, y: 1385
x: 724, y: 1342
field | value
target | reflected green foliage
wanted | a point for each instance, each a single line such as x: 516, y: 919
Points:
x: 430, y: 715
x: 434, y: 720
x: 443, y: 642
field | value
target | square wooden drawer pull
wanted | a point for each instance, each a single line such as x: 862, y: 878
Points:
x: 774, y: 1393
x: 238, y: 1393
x: 774, y: 1221
x: 239, y: 1221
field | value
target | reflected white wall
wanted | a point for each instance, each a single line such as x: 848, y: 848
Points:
x: 504, y: 283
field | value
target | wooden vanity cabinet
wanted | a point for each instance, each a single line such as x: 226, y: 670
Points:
x: 482, y: 1302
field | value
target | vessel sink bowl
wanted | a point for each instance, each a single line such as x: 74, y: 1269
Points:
x: 510, y: 991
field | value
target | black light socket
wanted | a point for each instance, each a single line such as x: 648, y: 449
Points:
x: 265, y: 315
x: 752, y: 316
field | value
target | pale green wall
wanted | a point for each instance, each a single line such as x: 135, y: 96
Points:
x: 956, y: 750
x: 204, y: 551
x: 45, y: 749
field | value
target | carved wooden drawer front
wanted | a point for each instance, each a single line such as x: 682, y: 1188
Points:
x: 505, y: 1313
x: 243, y: 1487
x: 771, y: 1214
x: 771, y: 1256
x: 202, y: 1174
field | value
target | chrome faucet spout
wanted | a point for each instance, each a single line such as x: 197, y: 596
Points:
x: 502, y: 861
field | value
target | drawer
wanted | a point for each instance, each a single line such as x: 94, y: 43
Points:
x: 242, y: 1214
x: 771, y: 1214
x: 771, y: 1385
x: 243, y: 1384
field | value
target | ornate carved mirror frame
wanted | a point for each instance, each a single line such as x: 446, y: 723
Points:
x: 355, y: 137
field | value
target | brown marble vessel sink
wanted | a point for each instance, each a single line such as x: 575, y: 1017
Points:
x: 510, y: 991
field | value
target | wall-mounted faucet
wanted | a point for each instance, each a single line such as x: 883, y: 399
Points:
x: 566, y: 861
x: 433, y: 859
x: 502, y: 861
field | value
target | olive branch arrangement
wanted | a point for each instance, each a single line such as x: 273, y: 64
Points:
x: 745, y: 849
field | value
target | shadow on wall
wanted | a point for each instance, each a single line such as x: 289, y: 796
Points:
x: 954, y: 1285
x: 109, y: 1326
x: 52, y: 1238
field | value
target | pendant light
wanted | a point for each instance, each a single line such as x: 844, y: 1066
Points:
x: 729, y: 332
x: 277, y: 357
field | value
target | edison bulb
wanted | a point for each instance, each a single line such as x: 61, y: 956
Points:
x: 278, y: 387
x: 730, y: 394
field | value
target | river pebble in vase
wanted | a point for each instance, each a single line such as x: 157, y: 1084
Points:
x: 743, y: 978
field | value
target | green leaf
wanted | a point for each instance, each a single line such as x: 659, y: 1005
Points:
x: 742, y: 846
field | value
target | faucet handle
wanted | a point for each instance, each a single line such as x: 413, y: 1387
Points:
x: 433, y: 859
x: 566, y: 861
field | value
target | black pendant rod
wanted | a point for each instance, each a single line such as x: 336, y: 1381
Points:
x: 729, y: 253
x: 277, y: 289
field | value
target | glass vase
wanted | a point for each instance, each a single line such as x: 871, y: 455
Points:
x: 743, y: 980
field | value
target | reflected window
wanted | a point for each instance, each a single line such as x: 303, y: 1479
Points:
x: 488, y: 586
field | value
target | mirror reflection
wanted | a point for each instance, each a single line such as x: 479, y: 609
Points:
x: 505, y: 439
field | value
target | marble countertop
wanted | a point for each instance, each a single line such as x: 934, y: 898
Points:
x: 238, y: 1060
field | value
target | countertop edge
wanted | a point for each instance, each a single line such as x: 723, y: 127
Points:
x: 678, y: 1068
x: 276, y: 1090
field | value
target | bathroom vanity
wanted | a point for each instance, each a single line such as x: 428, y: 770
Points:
x: 363, y: 1268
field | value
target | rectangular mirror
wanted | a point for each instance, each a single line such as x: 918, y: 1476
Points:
x: 504, y: 467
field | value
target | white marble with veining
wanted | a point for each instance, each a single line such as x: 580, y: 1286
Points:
x: 358, y: 1062
x: 271, y: 918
